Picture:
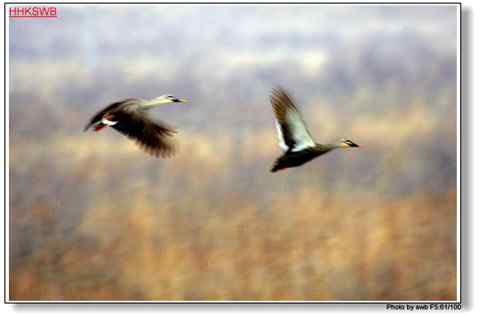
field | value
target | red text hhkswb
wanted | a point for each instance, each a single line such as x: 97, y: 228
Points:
x: 32, y: 12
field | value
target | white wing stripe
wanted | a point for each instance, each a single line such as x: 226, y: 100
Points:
x: 108, y: 122
x: 298, y: 131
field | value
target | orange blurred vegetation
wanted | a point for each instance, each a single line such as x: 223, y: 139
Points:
x: 309, y: 245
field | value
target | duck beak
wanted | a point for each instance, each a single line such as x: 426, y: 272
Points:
x: 354, y: 145
x: 180, y: 100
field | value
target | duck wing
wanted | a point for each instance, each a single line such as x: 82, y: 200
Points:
x: 110, y: 108
x: 292, y: 131
x: 153, y: 137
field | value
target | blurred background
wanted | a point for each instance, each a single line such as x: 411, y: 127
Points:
x: 92, y: 217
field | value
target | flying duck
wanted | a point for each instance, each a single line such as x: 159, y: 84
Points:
x: 294, y: 137
x: 130, y: 118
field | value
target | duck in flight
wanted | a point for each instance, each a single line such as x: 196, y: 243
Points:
x: 294, y: 137
x: 130, y: 118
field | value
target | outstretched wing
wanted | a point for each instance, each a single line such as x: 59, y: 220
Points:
x: 152, y: 136
x: 112, y: 107
x: 292, y: 131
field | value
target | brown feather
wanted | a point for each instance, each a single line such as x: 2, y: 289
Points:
x: 153, y: 137
x: 282, y: 103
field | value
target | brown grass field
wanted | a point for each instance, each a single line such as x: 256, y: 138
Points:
x: 198, y: 228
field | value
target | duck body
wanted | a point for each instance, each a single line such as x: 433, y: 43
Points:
x: 294, y: 159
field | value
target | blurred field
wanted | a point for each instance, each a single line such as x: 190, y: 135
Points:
x: 292, y: 251
x: 94, y: 218
x: 127, y: 226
